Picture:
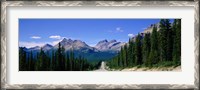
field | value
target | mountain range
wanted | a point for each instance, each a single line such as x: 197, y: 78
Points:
x: 103, y: 50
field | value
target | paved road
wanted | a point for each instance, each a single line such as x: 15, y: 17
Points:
x: 102, y: 67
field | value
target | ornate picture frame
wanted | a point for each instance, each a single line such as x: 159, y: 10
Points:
x: 6, y: 4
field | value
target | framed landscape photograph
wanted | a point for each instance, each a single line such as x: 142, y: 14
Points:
x: 100, y: 45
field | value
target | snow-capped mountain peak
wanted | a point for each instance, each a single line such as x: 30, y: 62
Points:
x: 112, y: 45
x: 47, y: 47
x: 74, y: 44
x: 35, y: 48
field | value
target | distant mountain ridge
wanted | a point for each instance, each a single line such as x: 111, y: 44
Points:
x: 101, y: 46
x: 76, y: 45
x: 103, y: 50
x: 68, y: 44
x: 106, y: 45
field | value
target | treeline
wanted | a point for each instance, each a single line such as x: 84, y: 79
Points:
x: 159, y: 48
x: 56, y: 61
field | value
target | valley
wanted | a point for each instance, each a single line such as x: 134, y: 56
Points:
x: 157, y: 48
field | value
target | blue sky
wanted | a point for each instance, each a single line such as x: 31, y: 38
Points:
x: 37, y: 32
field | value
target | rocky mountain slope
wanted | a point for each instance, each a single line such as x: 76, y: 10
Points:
x: 102, y: 51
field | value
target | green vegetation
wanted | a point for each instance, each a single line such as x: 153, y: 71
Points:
x: 56, y: 61
x: 160, y: 48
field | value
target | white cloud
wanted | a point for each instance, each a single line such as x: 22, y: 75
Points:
x: 56, y: 42
x: 92, y: 45
x: 130, y: 35
x: 55, y: 37
x: 35, y: 37
x: 118, y: 29
x: 31, y: 44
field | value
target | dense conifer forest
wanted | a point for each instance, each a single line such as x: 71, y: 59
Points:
x: 56, y: 61
x: 161, y: 48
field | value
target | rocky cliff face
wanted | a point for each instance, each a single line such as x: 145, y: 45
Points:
x: 47, y: 47
x: 147, y: 30
x: 150, y: 28
x: 112, y: 45
x: 77, y: 45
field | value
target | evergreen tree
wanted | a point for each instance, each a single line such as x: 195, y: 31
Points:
x: 118, y: 60
x: 121, y: 57
x: 138, y: 50
x: 130, y: 53
x: 80, y: 63
x: 169, y: 40
x: 133, y: 53
x: 125, y: 55
x: 177, y: 41
x: 59, y: 58
x: 53, y: 61
x: 31, y: 62
x: 42, y: 61
x: 28, y: 67
x: 71, y: 60
x: 48, y: 61
x: 67, y: 62
x: 146, y: 48
x: 22, y: 59
x: 164, y: 27
x: 154, y: 56
x: 37, y: 63
x: 62, y: 58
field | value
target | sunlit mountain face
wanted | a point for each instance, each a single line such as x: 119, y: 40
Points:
x: 103, y: 50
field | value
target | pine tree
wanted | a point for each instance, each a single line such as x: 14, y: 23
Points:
x: 31, y: 62
x: 22, y: 59
x: 128, y: 54
x: 133, y: 54
x: 138, y: 50
x: 177, y: 41
x: 28, y: 62
x: 80, y: 63
x: 118, y: 60
x: 125, y: 55
x: 40, y: 61
x: 43, y: 65
x: 53, y: 61
x: 169, y: 40
x: 121, y: 57
x: 146, y: 48
x: 44, y: 59
x: 37, y: 62
x: 153, y: 56
x: 71, y: 60
x: 67, y: 62
x: 59, y: 58
x: 62, y: 58
x: 163, y: 39
x: 48, y: 61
